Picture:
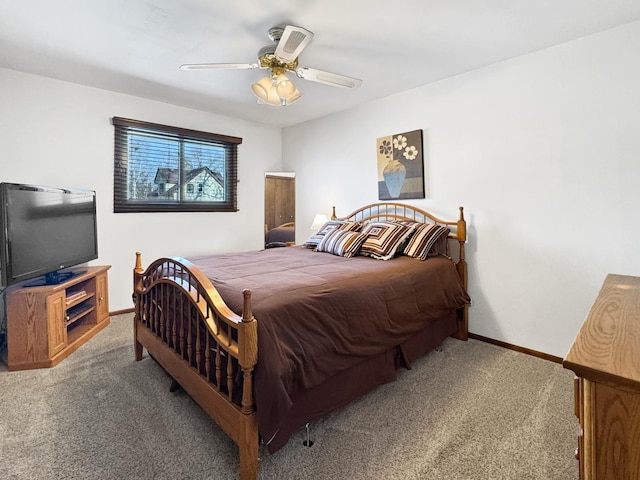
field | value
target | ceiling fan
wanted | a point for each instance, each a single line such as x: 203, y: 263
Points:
x: 277, y: 89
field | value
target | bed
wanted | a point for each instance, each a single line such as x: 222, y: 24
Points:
x: 329, y: 326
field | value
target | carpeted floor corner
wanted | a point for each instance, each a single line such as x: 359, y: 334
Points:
x: 469, y: 410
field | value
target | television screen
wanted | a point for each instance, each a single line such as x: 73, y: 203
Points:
x: 45, y: 230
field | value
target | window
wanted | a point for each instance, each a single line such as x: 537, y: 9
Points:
x: 156, y: 167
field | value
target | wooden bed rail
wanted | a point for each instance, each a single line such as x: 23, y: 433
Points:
x: 187, y: 328
x: 389, y: 211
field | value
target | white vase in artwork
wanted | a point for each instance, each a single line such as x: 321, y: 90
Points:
x: 394, y: 173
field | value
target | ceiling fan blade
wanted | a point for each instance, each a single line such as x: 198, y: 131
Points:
x: 214, y: 66
x: 292, y: 42
x: 328, y: 78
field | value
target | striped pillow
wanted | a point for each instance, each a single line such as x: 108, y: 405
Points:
x: 423, y: 242
x: 384, y: 239
x: 341, y: 242
x: 314, y: 240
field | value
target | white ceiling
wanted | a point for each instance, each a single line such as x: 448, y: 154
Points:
x: 136, y: 46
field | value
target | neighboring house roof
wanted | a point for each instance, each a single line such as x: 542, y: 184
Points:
x: 166, y: 175
x: 170, y: 175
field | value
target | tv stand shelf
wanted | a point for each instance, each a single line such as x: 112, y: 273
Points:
x: 47, y: 323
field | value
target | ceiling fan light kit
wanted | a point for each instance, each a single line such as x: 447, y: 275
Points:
x: 277, y: 89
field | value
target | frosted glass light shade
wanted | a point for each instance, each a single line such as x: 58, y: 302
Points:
x: 261, y: 88
x: 284, y: 86
x: 266, y: 92
x: 291, y: 98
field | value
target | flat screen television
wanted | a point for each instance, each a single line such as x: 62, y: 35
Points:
x: 43, y: 231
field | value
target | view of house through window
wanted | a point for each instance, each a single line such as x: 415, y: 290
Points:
x: 162, y: 168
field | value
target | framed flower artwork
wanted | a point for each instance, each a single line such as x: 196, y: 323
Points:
x: 400, y: 166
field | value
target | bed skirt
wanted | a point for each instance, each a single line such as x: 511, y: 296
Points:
x: 351, y: 384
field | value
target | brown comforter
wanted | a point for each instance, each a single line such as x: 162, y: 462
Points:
x: 319, y: 314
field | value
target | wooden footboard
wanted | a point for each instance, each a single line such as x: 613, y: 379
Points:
x: 210, y: 351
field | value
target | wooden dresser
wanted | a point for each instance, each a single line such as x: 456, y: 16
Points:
x: 606, y: 360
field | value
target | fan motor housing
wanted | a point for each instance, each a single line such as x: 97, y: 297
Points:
x: 268, y: 59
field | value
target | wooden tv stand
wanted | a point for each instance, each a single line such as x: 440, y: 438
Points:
x: 47, y: 323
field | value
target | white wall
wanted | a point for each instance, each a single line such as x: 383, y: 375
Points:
x: 60, y: 134
x: 543, y: 153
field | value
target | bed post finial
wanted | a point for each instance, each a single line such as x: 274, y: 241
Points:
x: 462, y: 227
x: 333, y: 214
x: 138, y: 268
x: 247, y: 313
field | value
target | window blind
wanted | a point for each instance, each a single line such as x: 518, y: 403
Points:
x: 160, y: 168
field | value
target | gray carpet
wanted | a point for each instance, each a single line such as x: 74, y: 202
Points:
x: 467, y: 411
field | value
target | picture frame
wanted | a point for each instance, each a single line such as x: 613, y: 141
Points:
x: 400, y: 166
